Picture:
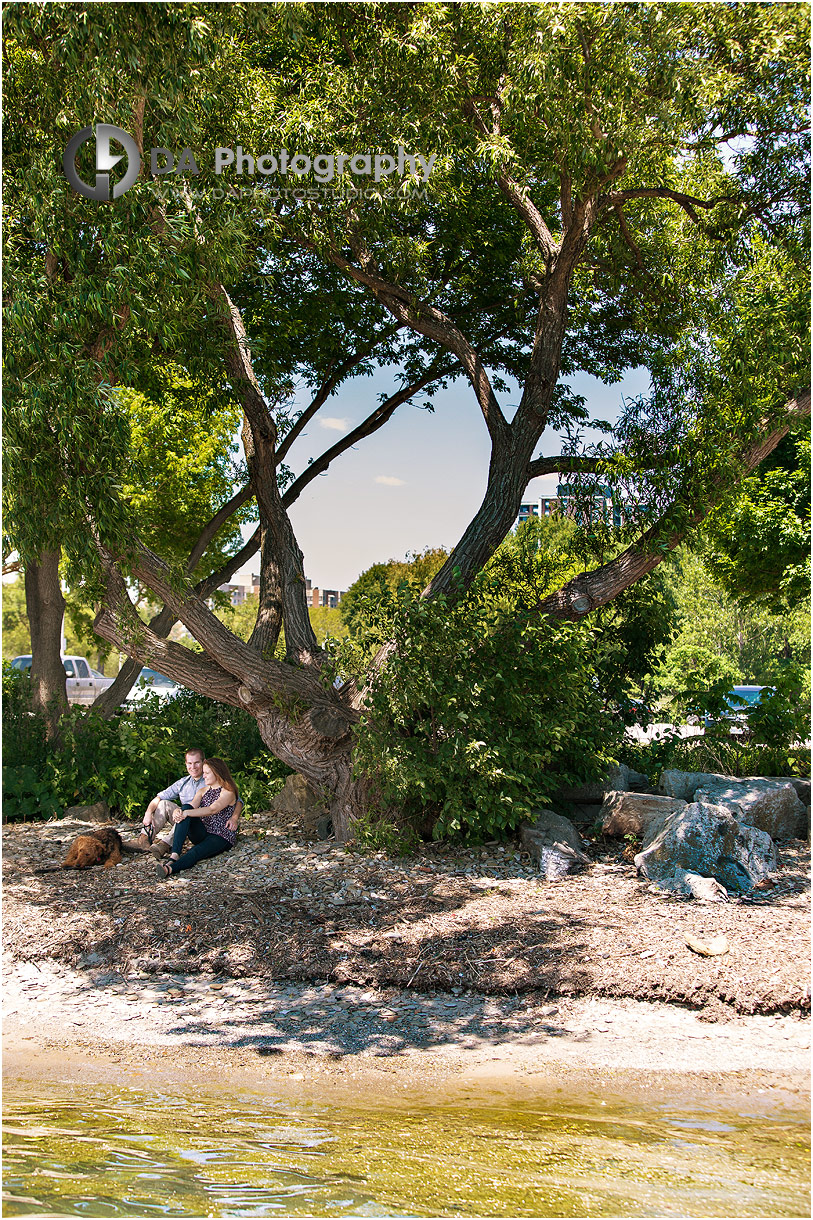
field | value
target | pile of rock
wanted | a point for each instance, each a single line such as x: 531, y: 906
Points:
x: 702, y: 835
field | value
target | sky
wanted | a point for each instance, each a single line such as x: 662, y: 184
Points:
x: 416, y: 483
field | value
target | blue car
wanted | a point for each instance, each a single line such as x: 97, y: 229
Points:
x: 739, y: 700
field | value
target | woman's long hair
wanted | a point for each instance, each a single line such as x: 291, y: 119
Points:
x: 221, y: 771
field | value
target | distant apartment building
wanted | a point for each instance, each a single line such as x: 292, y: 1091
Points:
x: 315, y: 596
x: 585, y: 510
x: 588, y: 510
x: 543, y: 507
x: 237, y: 594
x: 323, y: 597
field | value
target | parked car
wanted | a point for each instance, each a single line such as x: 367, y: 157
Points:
x: 151, y: 682
x: 739, y: 699
x: 82, y: 684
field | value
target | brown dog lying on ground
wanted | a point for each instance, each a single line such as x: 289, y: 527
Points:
x: 102, y: 846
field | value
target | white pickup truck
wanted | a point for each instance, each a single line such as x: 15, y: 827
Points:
x: 82, y: 683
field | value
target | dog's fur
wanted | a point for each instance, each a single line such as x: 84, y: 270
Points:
x: 102, y: 846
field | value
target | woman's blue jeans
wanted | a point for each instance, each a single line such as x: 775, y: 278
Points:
x: 205, y: 845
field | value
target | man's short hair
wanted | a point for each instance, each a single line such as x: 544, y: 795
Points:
x: 194, y: 750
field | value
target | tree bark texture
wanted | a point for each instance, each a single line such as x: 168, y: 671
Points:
x: 45, y: 606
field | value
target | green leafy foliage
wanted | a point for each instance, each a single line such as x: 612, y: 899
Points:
x: 415, y: 571
x: 16, y: 632
x: 781, y: 718
x: 26, y: 796
x: 728, y: 754
x: 259, y: 781
x: 384, y: 830
x: 628, y: 633
x: 220, y: 731
x: 478, y: 715
x: 127, y: 759
x: 23, y: 731
x: 758, y: 543
x: 695, y: 681
x: 182, y: 445
x: 718, y: 636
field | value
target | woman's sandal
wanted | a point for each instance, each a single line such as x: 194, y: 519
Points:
x: 163, y: 870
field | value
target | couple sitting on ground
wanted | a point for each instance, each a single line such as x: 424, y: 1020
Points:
x: 203, y: 806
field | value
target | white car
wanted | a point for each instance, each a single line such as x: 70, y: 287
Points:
x: 150, y: 682
x: 82, y: 684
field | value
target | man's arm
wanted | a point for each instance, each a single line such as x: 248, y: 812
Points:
x: 172, y: 792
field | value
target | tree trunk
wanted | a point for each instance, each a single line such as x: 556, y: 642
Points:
x: 326, y: 762
x: 46, y: 607
x: 110, y: 700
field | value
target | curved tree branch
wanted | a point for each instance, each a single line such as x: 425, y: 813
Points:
x: 375, y: 420
x: 426, y: 320
x: 689, y: 203
x: 218, y: 520
x: 259, y: 442
x: 327, y: 388
x: 589, y: 590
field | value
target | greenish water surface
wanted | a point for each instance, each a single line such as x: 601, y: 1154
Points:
x: 104, y: 1150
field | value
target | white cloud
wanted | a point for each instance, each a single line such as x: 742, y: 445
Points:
x: 389, y: 480
x: 335, y: 425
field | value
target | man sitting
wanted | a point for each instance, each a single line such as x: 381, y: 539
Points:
x: 158, y: 814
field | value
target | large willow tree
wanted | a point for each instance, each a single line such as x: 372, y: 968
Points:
x: 613, y: 185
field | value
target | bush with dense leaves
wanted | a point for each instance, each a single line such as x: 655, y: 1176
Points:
x: 769, y: 737
x: 127, y: 759
x: 479, y: 714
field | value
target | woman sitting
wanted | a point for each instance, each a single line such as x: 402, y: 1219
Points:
x: 210, y: 821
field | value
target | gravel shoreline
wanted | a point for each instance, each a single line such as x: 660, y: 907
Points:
x: 292, y: 959
x: 332, y: 1033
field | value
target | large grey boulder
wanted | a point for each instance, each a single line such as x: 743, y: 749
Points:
x: 632, y: 813
x: 799, y: 784
x: 683, y: 784
x: 767, y: 804
x: 707, y: 840
x: 554, y: 843
x: 298, y: 798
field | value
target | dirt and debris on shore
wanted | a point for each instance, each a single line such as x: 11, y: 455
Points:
x: 86, y: 1024
x: 281, y: 907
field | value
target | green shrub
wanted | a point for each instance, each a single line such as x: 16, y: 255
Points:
x: 381, y: 830
x: 259, y: 782
x: 23, y: 730
x: 479, y: 714
x: 710, y: 752
x: 127, y: 759
x: 195, y: 721
x: 25, y: 796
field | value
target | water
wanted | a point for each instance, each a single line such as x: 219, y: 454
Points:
x: 100, y: 1150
